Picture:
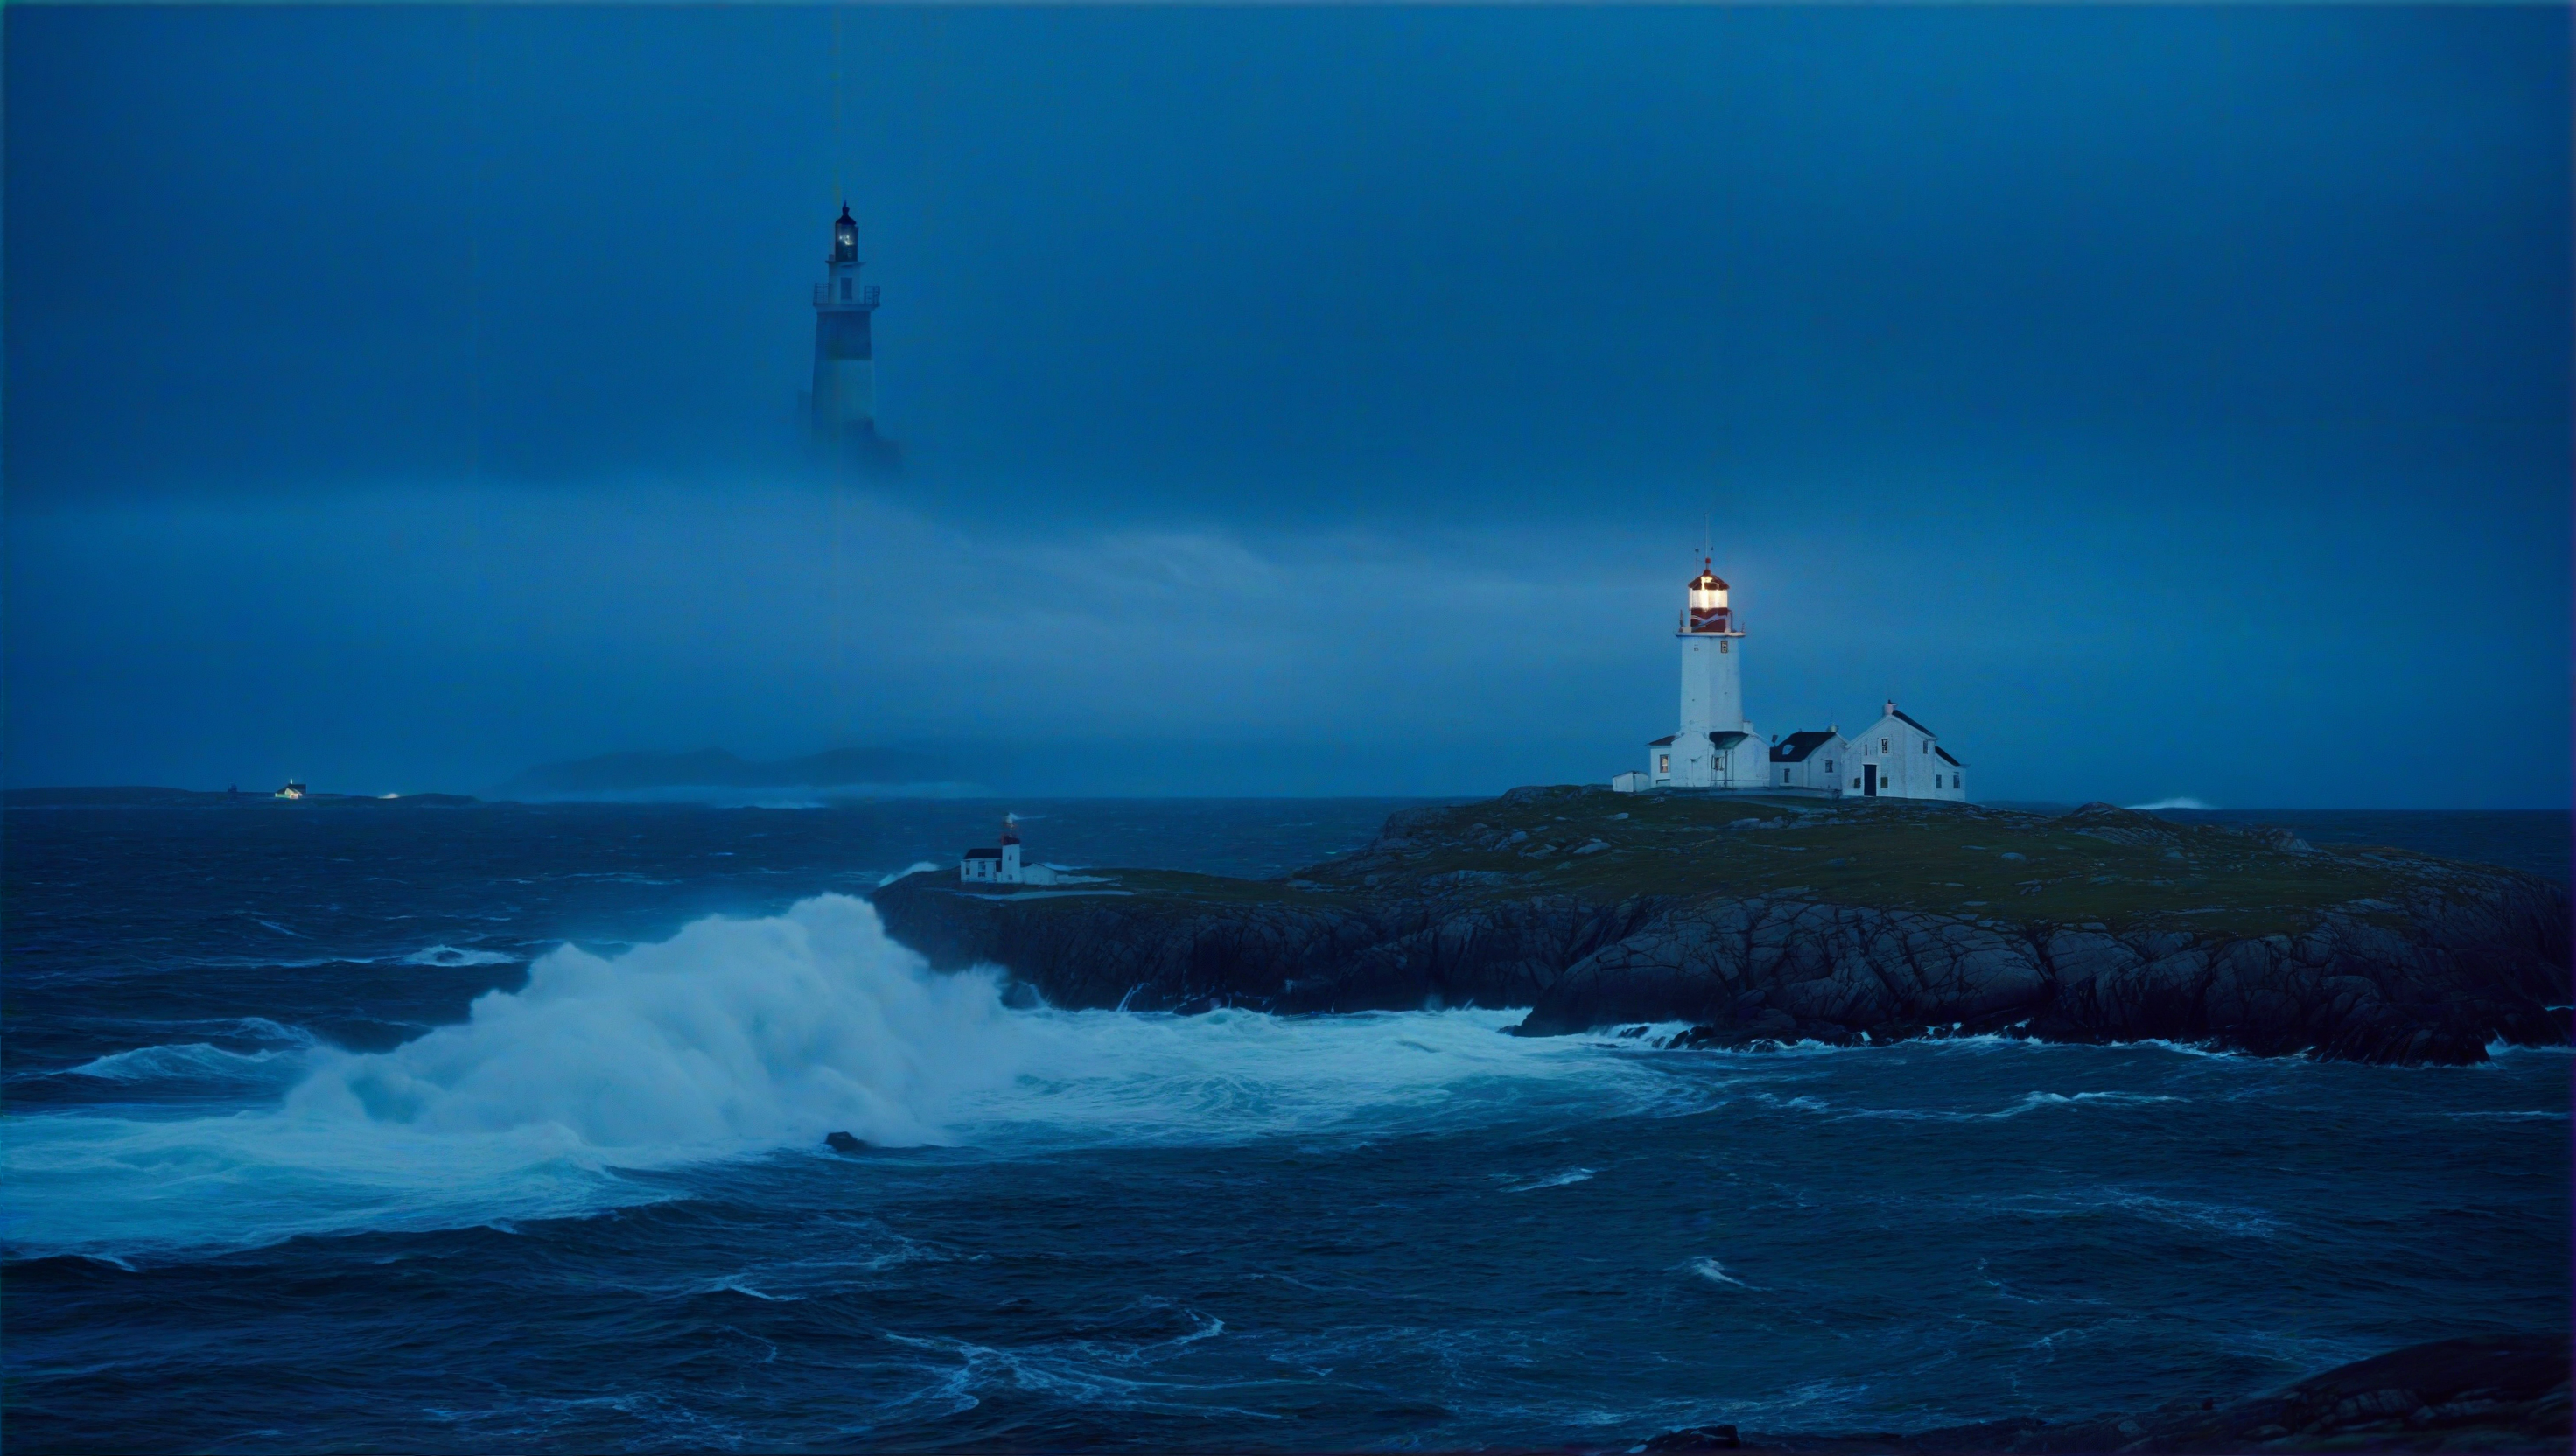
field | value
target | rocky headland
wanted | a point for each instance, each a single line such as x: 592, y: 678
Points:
x: 1755, y: 921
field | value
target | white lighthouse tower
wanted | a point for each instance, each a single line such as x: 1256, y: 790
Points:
x: 1715, y: 748
x: 845, y: 367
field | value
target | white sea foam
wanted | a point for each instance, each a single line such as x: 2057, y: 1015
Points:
x: 1557, y: 1180
x: 917, y: 867
x: 194, y: 1061
x: 733, y: 1035
x: 448, y: 955
x: 1714, y: 1272
x: 735, y: 1038
x: 2221, y: 1218
x: 2028, y: 1102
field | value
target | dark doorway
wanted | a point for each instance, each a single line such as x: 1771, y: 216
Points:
x: 1869, y: 781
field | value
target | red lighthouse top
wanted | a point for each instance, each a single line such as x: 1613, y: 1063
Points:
x: 1707, y: 611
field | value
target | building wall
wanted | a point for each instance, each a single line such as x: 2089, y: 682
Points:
x: 1747, y: 765
x: 1821, y: 770
x: 845, y: 371
x: 1908, y: 769
x: 1712, y: 682
x: 845, y: 394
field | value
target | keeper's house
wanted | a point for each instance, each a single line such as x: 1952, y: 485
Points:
x: 1810, y: 760
x: 1897, y: 757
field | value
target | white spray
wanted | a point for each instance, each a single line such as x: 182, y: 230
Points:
x: 737, y: 1038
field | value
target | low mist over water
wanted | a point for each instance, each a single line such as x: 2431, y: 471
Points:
x: 2142, y: 397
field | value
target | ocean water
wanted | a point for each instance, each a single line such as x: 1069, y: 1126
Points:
x: 500, y: 1128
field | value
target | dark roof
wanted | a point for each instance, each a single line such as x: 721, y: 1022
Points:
x: 845, y: 216
x: 1945, y: 756
x: 1719, y: 738
x: 983, y: 854
x: 1796, y: 747
x: 1900, y: 716
x: 1727, y: 738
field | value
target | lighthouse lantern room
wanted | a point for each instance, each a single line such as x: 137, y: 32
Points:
x: 1707, y: 611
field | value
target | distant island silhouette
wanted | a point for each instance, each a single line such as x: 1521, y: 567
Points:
x: 617, y: 774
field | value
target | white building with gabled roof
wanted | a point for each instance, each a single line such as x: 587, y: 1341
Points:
x: 1810, y: 759
x: 1898, y: 758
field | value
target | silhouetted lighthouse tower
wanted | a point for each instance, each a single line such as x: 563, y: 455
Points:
x: 845, y: 368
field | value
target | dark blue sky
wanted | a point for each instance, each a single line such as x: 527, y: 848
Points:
x: 2158, y: 401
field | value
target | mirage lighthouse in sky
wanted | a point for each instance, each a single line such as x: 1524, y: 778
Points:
x: 1716, y: 749
x: 842, y: 405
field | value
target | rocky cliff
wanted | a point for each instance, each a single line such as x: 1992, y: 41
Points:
x: 1752, y: 920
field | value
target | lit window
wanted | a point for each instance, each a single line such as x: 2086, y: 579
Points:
x: 1721, y: 644
x: 1664, y: 764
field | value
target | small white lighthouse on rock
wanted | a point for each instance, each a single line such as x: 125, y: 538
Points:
x: 1715, y: 748
x: 1002, y: 865
x: 999, y: 865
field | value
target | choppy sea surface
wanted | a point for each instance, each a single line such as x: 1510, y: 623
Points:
x: 499, y: 1128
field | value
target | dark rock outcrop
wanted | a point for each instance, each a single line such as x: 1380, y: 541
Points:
x: 2483, y: 1393
x: 2472, y: 968
x: 1680, y: 919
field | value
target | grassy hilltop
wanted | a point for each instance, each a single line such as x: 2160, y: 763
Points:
x: 2100, y: 865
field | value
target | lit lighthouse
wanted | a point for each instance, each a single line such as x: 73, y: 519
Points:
x: 845, y: 368
x: 1715, y: 748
